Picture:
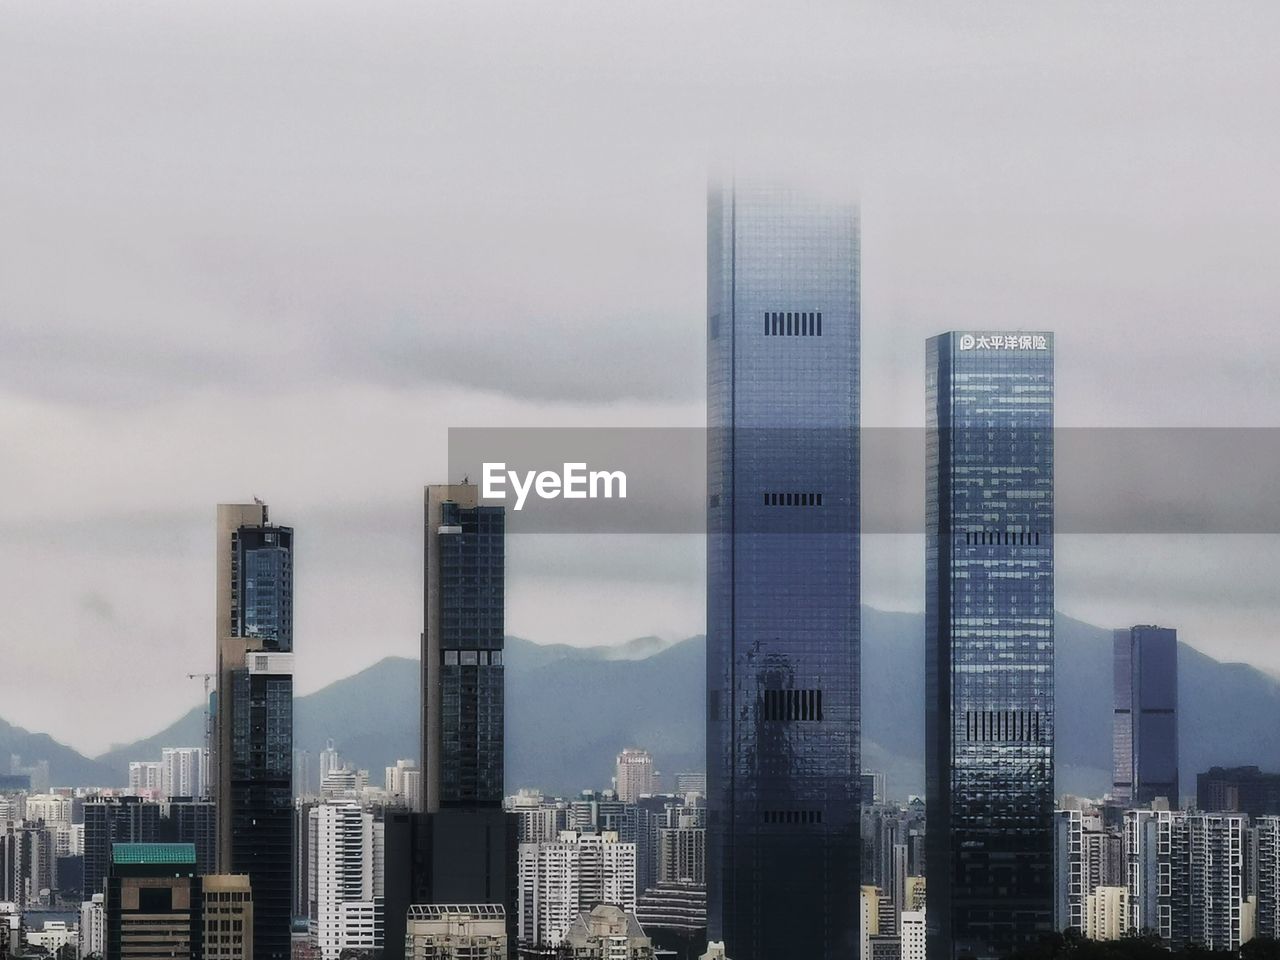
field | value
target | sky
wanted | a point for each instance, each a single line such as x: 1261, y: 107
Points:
x: 279, y: 250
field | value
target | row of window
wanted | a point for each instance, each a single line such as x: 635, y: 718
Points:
x: 788, y: 705
x: 1007, y: 538
x: 1003, y: 726
x: 471, y: 658
x: 792, y: 324
x: 792, y: 816
x: 793, y: 499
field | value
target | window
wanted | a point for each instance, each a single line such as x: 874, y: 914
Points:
x: 787, y: 324
x: 794, y: 499
x: 791, y: 705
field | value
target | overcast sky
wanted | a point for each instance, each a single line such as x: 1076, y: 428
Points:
x: 278, y: 250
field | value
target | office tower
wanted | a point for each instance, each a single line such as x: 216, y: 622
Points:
x: 462, y: 848
x: 111, y: 820
x: 783, y: 535
x: 1106, y: 913
x: 1266, y: 871
x: 989, y: 641
x: 345, y: 881
x: 182, y: 772
x: 634, y: 777
x: 253, y: 724
x: 1145, y: 726
x: 228, y: 917
x: 92, y: 936
x: 1238, y: 789
x: 474, y: 931
x: 153, y: 902
x: 562, y: 877
x: 607, y: 932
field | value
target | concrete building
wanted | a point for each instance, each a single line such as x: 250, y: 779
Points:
x: 228, y: 917
x: 146, y: 778
x: 92, y: 935
x: 182, y: 772
x: 404, y: 784
x: 446, y: 931
x: 634, y: 775
x: 345, y: 882
x: 1106, y: 913
x: 911, y: 926
x: 1266, y: 886
x: 560, y: 878
x: 606, y: 932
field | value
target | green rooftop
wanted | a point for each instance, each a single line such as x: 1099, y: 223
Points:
x: 184, y: 853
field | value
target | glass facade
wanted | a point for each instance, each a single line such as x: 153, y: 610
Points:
x: 260, y: 713
x: 470, y: 579
x: 989, y: 642
x: 783, y: 782
x: 1145, y: 730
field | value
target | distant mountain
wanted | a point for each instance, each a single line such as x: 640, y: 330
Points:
x: 66, y: 766
x: 571, y: 709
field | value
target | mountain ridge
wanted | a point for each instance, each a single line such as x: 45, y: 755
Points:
x: 650, y: 693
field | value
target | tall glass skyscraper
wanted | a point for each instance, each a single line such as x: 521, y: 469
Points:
x: 462, y: 847
x: 783, y: 622
x: 253, y: 718
x: 1145, y: 728
x: 989, y: 642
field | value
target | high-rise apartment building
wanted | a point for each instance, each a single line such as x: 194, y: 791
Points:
x: 92, y: 933
x: 783, y: 551
x: 404, y: 784
x: 345, y: 878
x: 989, y: 641
x: 252, y: 765
x: 1266, y: 873
x: 560, y: 878
x: 462, y: 847
x: 182, y: 772
x: 1186, y: 876
x: 1106, y: 913
x: 146, y: 778
x: 1145, y: 725
x: 634, y: 775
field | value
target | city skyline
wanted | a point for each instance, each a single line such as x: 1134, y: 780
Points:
x: 1115, y: 200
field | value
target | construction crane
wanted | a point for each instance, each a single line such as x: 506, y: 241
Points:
x: 208, y: 728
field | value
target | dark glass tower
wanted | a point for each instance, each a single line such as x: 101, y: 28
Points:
x: 253, y: 750
x: 1145, y: 730
x: 462, y: 848
x: 989, y: 642
x: 783, y: 598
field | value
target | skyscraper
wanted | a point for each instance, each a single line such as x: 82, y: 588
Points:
x: 153, y: 901
x: 783, y: 536
x: 989, y: 642
x: 1145, y: 726
x: 634, y: 776
x: 253, y: 722
x: 462, y: 848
